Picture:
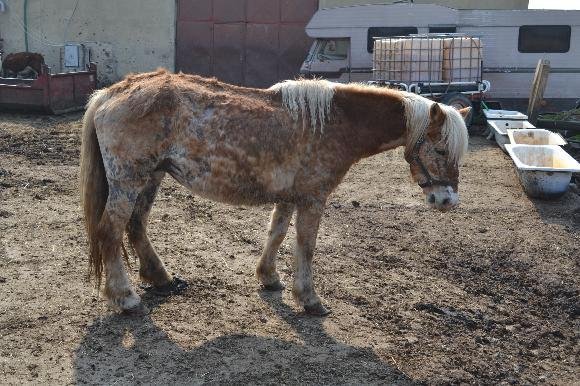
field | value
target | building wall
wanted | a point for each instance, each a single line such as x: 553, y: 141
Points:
x: 122, y: 36
x: 458, y: 4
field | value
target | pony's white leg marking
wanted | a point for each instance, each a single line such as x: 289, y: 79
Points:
x: 151, y: 268
x: 307, y: 222
x: 120, y: 203
x: 266, y: 271
x: 118, y: 288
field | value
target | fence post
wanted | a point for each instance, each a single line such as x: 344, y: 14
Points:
x: 538, y: 88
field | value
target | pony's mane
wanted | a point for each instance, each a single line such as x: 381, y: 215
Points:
x: 304, y: 96
x: 453, y: 132
x: 311, y: 100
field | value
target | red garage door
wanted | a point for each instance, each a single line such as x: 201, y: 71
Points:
x: 247, y: 42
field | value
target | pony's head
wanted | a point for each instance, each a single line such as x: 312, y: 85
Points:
x: 436, y: 142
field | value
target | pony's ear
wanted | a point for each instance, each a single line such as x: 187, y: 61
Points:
x: 465, y: 112
x: 436, y: 119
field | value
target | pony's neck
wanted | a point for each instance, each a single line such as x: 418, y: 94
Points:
x: 375, y: 119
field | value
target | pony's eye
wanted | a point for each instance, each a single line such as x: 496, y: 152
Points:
x: 440, y: 152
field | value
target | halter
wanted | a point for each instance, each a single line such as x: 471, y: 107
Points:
x: 415, y: 157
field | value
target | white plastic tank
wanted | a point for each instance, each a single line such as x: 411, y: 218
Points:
x: 461, y: 59
x: 408, y: 60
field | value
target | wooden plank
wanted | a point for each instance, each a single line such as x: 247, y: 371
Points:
x: 538, y: 88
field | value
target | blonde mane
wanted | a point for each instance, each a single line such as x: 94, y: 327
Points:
x: 307, y: 95
x: 311, y: 100
x: 453, y: 132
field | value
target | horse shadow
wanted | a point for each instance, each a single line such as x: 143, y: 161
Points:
x: 129, y: 350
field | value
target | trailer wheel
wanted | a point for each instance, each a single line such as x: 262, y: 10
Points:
x: 459, y: 101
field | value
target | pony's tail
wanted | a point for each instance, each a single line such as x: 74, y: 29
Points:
x: 93, y: 184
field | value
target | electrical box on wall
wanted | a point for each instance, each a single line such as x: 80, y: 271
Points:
x: 74, y: 57
x: 71, y: 55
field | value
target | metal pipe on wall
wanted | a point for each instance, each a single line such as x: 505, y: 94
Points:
x: 26, y: 25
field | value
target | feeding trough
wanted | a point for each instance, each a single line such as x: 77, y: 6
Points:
x: 49, y: 93
x: 544, y: 171
x: 504, y: 115
x: 535, y: 137
x: 500, y: 129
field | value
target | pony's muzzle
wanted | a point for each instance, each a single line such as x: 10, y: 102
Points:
x: 442, y: 198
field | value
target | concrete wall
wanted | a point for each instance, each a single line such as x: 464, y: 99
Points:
x: 458, y: 4
x: 122, y: 36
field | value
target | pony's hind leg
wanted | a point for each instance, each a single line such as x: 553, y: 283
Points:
x: 307, y: 222
x: 266, y: 271
x: 151, y: 268
x: 118, y: 288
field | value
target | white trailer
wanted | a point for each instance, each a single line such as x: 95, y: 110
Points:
x: 513, y: 41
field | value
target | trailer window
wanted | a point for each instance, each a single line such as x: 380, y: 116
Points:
x: 385, y: 32
x: 544, y: 38
x: 334, y: 49
x: 443, y: 29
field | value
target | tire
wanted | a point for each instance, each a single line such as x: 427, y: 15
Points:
x: 459, y: 101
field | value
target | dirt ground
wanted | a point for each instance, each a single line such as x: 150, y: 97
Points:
x: 488, y: 293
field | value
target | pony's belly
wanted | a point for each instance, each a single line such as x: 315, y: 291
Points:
x: 227, y: 181
x: 232, y: 195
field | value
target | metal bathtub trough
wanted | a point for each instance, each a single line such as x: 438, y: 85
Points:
x: 500, y: 129
x: 504, y: 115
x: 535, y: 137
x: 544, y: 171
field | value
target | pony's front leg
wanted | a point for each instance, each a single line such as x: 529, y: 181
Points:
x: 307, y: 222
x: 266, y: 271
x: 118, y: 288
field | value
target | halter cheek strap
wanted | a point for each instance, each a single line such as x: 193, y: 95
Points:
x: 415, y: 157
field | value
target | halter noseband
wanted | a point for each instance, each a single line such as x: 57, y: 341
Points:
x: 415, y: 157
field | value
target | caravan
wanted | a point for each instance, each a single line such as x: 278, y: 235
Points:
x: 512, y: 41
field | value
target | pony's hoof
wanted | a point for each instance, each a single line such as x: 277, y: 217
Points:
x: 174, y: 287
x: 138, y: 310
x: 276, y: 286
x: 317, y: 309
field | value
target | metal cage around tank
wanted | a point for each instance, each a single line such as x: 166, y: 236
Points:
x: 430, y: 64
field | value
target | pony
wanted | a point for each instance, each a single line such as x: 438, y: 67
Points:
x: 22, y: 65
x: 289, y: 145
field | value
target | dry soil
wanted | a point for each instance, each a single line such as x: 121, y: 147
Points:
x: 488, y: 293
